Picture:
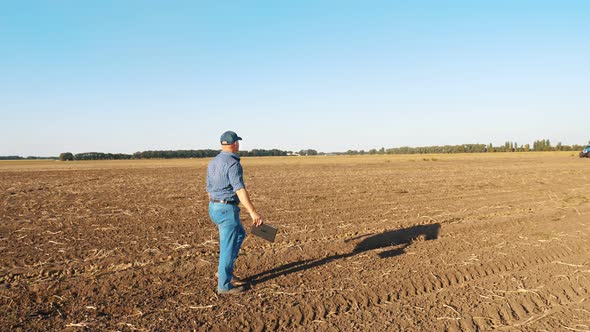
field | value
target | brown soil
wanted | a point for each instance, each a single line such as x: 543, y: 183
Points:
x: 412, y: 243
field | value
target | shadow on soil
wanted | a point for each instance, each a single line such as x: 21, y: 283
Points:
x: 400, y: 239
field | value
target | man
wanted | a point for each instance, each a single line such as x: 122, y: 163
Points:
x: 226, y: 189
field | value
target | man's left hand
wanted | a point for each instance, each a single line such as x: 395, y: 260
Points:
x: 256, y: 219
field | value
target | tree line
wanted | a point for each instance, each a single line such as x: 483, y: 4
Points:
x: 166, y: 154
x: 539, y: 145
x: 26, y: 158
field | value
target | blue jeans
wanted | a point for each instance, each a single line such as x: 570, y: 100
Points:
x: 231, y: 236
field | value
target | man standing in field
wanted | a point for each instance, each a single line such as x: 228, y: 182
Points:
x: 226, y: 189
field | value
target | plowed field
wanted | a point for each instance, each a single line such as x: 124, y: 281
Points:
x: 409, y: 243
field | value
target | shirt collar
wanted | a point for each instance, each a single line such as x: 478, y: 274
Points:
x: 233, y: 155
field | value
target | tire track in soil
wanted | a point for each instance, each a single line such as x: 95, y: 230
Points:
x: 454, y: 279
x: 405, y: 291
x: 359, y: 300
x: 521, y: 307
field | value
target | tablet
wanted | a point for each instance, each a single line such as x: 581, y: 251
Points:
x: 265, y: 231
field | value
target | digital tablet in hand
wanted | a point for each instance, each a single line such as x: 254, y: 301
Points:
x: 265, y: 231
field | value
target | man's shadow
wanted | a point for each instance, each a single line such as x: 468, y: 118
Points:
x: 400, y: 239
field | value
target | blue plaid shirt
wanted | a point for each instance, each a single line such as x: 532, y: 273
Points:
x: 225, y: 176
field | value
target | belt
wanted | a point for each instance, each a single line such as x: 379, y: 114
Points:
x: 224, y: 201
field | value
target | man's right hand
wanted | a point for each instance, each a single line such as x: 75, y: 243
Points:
x: 256, y: 219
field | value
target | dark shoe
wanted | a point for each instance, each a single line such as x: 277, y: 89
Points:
x: 232, y: 291
x: 237, y: 280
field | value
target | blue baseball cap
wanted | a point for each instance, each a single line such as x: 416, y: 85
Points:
x: 229, y: 137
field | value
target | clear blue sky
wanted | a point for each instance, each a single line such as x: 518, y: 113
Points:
x: 126, y: 76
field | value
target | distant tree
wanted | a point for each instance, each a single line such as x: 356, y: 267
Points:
x: 542, y: 145
x: 66, y: 156
x: 308, y: 152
